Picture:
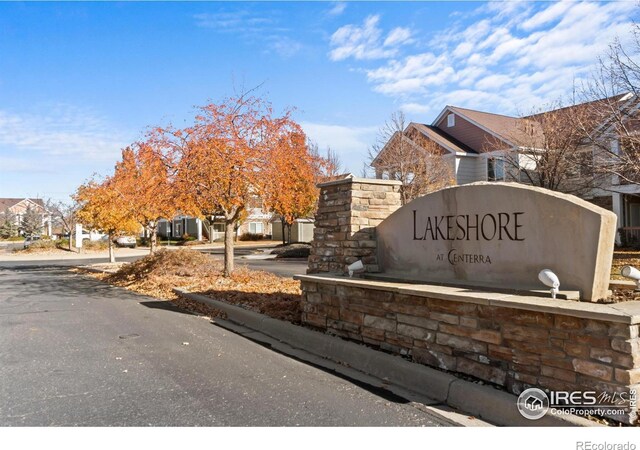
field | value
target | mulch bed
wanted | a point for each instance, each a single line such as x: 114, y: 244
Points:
x: 156, y: 275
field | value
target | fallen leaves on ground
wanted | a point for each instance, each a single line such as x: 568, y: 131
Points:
x: 157, y: 274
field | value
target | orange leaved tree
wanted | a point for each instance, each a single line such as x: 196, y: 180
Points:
x: 100, y: 208
x: 293, y: 170
x: 221, y: 159
x: 142, y: 181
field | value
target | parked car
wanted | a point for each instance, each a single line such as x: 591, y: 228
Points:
x: 30, y: 240
x: 126, y: 241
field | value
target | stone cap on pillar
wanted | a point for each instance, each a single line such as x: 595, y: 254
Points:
x: 349, y: 178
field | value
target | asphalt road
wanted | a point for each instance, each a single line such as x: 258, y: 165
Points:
x: 77, y: 352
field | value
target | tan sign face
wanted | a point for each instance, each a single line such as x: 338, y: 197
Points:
x: 500, y: 235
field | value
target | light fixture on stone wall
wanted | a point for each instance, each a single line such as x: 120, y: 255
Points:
x: 355, y: 267
x: 550, y: 279
x: 633, y: 273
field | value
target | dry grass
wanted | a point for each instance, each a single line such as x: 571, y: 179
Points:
x: 155, y: 275
x: 48, y: 246
x: 41, y: 246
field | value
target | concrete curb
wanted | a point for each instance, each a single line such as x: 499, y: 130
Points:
x: 92, y: 269
x: 483, y: 401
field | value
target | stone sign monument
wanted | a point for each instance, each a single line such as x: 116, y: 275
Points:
x: 500, y: 235
x: 436, y: 273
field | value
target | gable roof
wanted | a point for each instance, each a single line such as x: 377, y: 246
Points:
x: 443, y: 139
x: 498, y: 125
x: 6, y: 203
x: 510, y: 129
x: 595, y: 119
x: 433, y: 134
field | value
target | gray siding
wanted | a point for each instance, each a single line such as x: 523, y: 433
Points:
x: 300, y: 231
x: 469, y: 170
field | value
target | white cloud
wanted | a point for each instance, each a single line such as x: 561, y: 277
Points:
x: 350, y: 143
x: 337, y: 9
x: 254, y: 28
x: 284, y: 46
x: 398, y: 36
x: 502, y: 56
x: 463, y: 49
x: 236, y: 21
x: 410, y: 74
x: 365, y: 42
x: 547, y: 15
x: 493, y: 82
x: 62, y: 130
x: 415, y: 108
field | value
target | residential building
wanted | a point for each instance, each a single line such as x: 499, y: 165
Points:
x: 257, y: 221
x: 179, y: 226
x: 18, y: 207
x: 301, y: 230
x: 483, y: 146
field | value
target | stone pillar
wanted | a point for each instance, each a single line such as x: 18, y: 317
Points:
x: 349, y: 210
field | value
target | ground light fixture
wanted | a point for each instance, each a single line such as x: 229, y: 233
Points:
x: 551, y: 280
x: 633, y: 273
x: 355, y: 267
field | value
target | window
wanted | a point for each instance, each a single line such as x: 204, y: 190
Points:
x: 615, y: 148
x: 177, y: 229
x: 255, y: 227
x: 495, y: 169
x: 634, y: 214
x: 451, y: 120
x: 219, y: 227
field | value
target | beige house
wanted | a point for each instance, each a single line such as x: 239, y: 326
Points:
x: 19, y: 206
x: 479, y: 143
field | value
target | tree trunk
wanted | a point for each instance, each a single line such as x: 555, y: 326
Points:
x: 228, y: 247
x: 112, y: 256
x: 288, y: 233
x: 151, y: 233
x: 70, y: 240
x: 284, y: 240
x: 153, y: 240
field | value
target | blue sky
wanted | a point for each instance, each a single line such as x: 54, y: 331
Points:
x: 78, y: 81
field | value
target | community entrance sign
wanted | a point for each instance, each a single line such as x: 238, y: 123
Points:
x: 500, y: 235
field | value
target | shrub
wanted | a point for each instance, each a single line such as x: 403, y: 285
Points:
x: 188, y: 237
x: 295, y: 252
x: 281, y: 248
x: 251, y: 236
x: 95, y: 245
x: 190, y: 242
x: 62, y: 243
x: 38, y: 246
x: 13, y: 238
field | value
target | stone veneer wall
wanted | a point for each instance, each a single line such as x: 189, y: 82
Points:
x: 510, y: 346
x: 348, y: 212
